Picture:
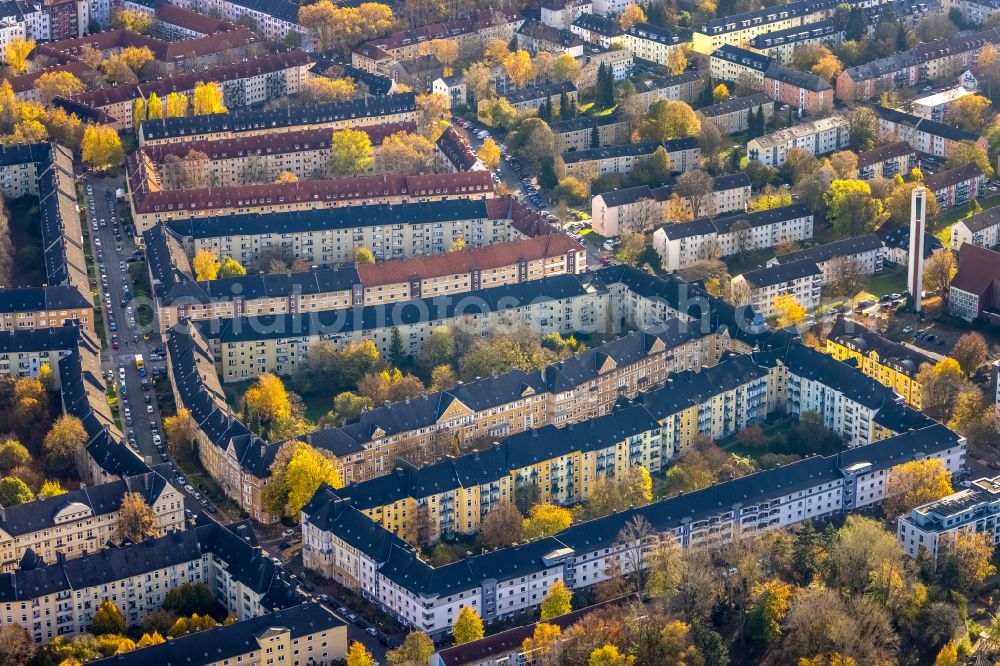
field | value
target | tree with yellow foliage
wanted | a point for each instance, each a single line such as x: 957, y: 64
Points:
x: 720, y: 93
x: 108, y: 619
x: 286, y: 177
x: 669, y: 119
x: 138, y: 112
x: 445, y: 51
x: 608, y: 655
x: 828, y: 67
x: 15, y: 54
x: 136, y: 520
x: 180, y: 430
x: 150, y: 639
x: 351, y: 153
x: 519, y: 67
x: 102, y: 147
x: 229, y: 267
x: 266, y: 401
x: 496, y: 52
x: 914, y: 483
x: 363, y: 256
x: 132, y: 19
x: 631, y: 15
x: 973, y: 113
x: 541, y: 641
x: 433, y: 112
x: 357, y: 655
x: 835, y: 659
x: 948, y: 656
x: 545, y: 520
x: 939, y: 269
x: 489, y: 154
x: 677, y: 61
x: 206, y: 265
x: 207, y: 99
x: 341, y: 28
x: 788, y: 310
x: 565, y: 69
x: 177, y: 105
x: 771, y: 197
x: 417, y: 648
x: 404, y: 153
x: 557, y: 602
x: 297, y: 472
x: 58, y: 84
x: 51, y: 489
x: 321, y: 89
x: 154, y: 107
x: 468, y: 626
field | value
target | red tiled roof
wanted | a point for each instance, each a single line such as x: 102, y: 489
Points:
x: 185, y: 82
x: 271, y: 194
x: 454, y: 263
x: 481, y: 19
x: 977, y: 269
x: 185, y: 18
x: 258, y: 144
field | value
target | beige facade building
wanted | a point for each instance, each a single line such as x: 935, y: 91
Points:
x: 590, y: 164
x: 82, y: 521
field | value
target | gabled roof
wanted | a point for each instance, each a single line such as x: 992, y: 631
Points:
x: 952, y: 177
x: 978, y: 268
x: 838, y: 248
x: 864, y: 340
x: 883, y: 153
x: 781, y: 273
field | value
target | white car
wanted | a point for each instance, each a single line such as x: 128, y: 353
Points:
x: 121, y: 373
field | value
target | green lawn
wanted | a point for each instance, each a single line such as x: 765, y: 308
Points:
x: 889, y: 281
x: 942, y: 227
x: 592, y: 237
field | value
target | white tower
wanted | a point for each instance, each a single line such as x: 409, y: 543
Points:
x: 915, y: 271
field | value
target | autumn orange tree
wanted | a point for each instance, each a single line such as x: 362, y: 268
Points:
x: 16, y: 54
x: 914, y: 483
x: 102, y: 147
x: 297, y: 472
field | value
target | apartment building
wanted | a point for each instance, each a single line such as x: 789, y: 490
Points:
x: 733, y: 115
x: 535, y: 37
x: 975, y: 290
x: 620, y: 61
x: 933, y: 107
x: 803, y: 280
x: 60, y: 599
x: 739, y: 29
x: 578, y: 134
x: 242, y: 83
x: 248, y: 160
x: 975, y: 12
x: 331, y: 236
x: 179, y: 297
x: 245, y: 347
x: 597, y: 29
x: 866, y: 252
x: 651, y: 43
x: 275, y: 20
x: 897, y: 245
x: 927, y: 61
x: 781, y: 44
x: 956, y: 187
x: 817, y: 137
x: 930, y: 529
x: 301, y: 635
x: 684, y: 87
x: 886, y: 161
x: 241, y: 123
x: 151, y: 205
x: 45, y: 170
x: 889, y: 363
x: 589, y: 164
x: 681, y: 244
x: 641, y: 207
x: 736, y: 64
x: 531, y: 98
x: 379, y: 54
x: 561, y: 14
x: 801, y: 90
x: 82, y: 521
x: 23, y: 353
x: 174, y: 23
x: 342, y: 543
x: 982, y: 229
x: 176, y: 56
x: 13, y: 24
x: 453, y: 497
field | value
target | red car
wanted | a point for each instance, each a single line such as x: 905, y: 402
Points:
x: 114, y: 342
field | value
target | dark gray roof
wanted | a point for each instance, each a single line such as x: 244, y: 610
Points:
x: 634, y: 149
x: 899, y: 238
x: 805, y: 80
x: 864, y: 340
x: 952, y: 177
x: 583, y: 122
x: 924, y: 125
x: 829, y: 28
x: 61, y: 338
x: 660, y: 83
x: 227, y: 642
x: 366, y: 318
x: 34, y: 299
x: 104, y: 498
x: 345, y: 217
x: 781, y: 273
x: 653, y: 33
x: 745, y: 57
x: 724, y: 224
x: 883, y: 153
x: 539, y: 92
x: 724, y: 24
x: 982, y: 220
x: 602, y: 25
x: 922, y: 53
x: 839, y: 248
x: 289, y: 116
x: 736, y: 104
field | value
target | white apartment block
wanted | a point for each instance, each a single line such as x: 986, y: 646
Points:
x: 982, y: 229
x: 932, y: 527
x: 652, y: 43
x: 679, y: 245
x: 867, y: 251
x: 817, y: 137
x: 803, y: 280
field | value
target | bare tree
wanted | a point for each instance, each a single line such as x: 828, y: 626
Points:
x: 645, y: 215
x: 742, y: 236
x: 695, y: 185
x: 6, y: 249
x: 632, y: 537
x: 848, y: 276
x: 739, y: 292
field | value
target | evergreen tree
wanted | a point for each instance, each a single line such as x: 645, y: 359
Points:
x: 707, y: 99
x: 595, y: 136
x: 512, y: 45
x: 397, y: 350
x: 761, y: 122
x: 902, y: 43
x: 547, y: 174
x: 609, y: 86
x: 572, y: 109
x: 564, y: 106
x: 855, y: 24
